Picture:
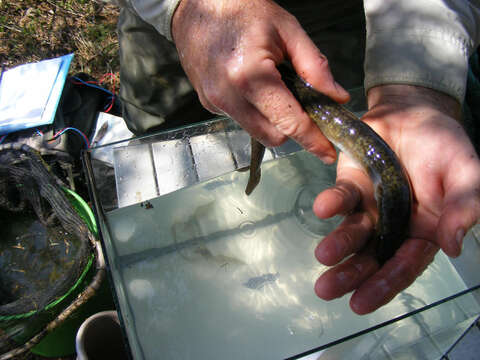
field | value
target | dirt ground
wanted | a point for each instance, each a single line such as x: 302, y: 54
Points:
x: 32, y: 30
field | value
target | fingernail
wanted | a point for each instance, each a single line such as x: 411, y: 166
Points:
x: 459, y: 238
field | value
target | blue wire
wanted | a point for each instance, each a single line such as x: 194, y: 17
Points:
x: 2, y: 138
x: 76, y: 130
x: 93, y: 85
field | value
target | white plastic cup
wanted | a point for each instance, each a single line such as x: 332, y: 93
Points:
x: 100, y: 337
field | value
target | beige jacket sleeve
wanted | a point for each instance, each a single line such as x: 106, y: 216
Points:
x: 421, y: 42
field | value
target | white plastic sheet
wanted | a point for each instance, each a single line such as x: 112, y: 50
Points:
x: 29, y: 94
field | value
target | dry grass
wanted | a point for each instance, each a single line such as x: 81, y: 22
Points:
x: 32, y: 30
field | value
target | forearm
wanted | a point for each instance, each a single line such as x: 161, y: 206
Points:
x: 407, y: 96
x: 425, y: 43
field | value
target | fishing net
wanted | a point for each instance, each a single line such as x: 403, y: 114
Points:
x: 46, y: 250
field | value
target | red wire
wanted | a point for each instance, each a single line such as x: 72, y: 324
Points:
x: 101, y: 81
x: 111, y: 104
x: 79, y: 83
x: 114, y: 78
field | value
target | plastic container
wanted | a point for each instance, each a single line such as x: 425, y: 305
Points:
x: 100, y: 337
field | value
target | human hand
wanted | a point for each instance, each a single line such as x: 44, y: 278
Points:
x: 229, y: 49
x: 419, y: 124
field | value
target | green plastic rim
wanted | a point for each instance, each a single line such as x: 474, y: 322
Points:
x: 83, y: 210
x: 88, y: 217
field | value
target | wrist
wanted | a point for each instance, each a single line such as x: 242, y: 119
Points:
x: 182, y: 14
x: 412, y: 95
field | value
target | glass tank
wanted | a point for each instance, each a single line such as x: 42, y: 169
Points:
x: 202, y: 271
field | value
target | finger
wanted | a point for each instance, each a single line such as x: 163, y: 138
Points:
x: 339, y: 199
x: 410, y: 260
x: 227, y: 102
x: 345, y: 277
x: 461, y: 209
x: 256, y: 124
x: 461, y: 186
x: 265, y: 90
x: 353, y: 188
x: 348, y: 238
x: 310, y: 63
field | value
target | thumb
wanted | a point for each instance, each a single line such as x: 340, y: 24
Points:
x: 310, y: 64
x: 458, y: 216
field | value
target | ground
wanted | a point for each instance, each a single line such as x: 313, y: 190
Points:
x: 32, y: 30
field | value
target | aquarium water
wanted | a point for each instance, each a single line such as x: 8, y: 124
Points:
x: 207, y: 272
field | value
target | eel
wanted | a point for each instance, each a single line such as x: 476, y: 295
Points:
x: 361, y: 143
